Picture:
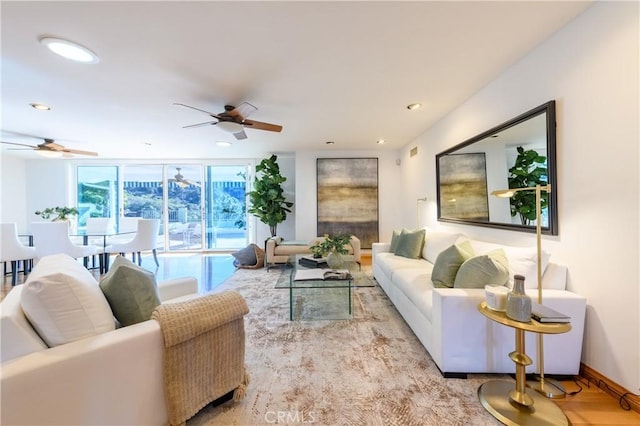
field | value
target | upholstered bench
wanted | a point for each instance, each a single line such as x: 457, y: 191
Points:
x: 278, y: 250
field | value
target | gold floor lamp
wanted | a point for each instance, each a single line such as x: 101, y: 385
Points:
x: 549, y: 388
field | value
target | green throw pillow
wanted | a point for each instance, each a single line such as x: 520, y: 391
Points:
x: 131, y: 291
x: 410, y: 243
x: 394, y: 241
x: 448, y: 263
x: 491, y: 268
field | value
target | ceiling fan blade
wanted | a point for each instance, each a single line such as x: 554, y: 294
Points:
x: 197, y: 109
x: 79, y: 152
x: 242, y: 111
x: 240, y: 135
x: 19, y: 144
x: 211, y: 123
x: 262, y: 126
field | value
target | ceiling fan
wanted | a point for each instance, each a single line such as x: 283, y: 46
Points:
x: 234, y: 120
x: 49, y: 147
x: 181, y: 181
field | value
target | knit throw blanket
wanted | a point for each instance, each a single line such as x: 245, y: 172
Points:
x: 203, y: 352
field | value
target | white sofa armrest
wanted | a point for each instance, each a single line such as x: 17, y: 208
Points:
x: 81, y: 382
x: 177, y: 287
x: 463, y: 339
x: 380, y: 248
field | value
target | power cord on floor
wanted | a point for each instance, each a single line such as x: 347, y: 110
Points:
x: 601, y: 384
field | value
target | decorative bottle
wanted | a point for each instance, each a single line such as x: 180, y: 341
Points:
x: 518, y: 303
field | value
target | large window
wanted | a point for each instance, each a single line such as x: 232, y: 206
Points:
x: 202, y: 207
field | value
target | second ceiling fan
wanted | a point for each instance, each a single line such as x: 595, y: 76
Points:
x: 234, y: 120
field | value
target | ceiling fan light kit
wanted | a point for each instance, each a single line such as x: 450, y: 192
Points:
x: 230, y: 126
x: 49, y: 154
x: 40, y: 107
x: 70, y: 50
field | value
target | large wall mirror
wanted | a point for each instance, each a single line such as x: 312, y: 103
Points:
x: 520, y: 152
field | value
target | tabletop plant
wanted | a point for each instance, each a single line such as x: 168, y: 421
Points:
x: 267, y: 199
x: 335, y: 244
x: 61, y: 213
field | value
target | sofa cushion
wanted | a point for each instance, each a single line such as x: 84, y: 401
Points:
x: 436, y: 242
x: 17, y: 336
x: 63, y: 302
x: 131, y: 291
x: 410, y: 243
x: 448, y: 262
x: 522, y: 261
x: 416, y: 285
x: 486, y: 269
x: 389, y: 263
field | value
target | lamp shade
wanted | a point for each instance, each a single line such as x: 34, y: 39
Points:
x: 230, y: 126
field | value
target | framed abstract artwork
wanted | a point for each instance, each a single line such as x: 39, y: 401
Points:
x: 463, y: 187
x: 347, y: 194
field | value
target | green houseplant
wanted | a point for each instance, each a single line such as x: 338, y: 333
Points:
x: 529, y: 170
x: 333, y: 248
x: 267, y: 199
x: 61, y: 213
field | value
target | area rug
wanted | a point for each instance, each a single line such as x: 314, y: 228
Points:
x: 369, y: 370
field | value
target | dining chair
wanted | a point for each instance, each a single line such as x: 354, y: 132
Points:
x: 96, y: 230
x: 53, y: 238
x: 12, y: 250
x: 145, y: 239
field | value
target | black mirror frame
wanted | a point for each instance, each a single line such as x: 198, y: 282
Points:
x: 550, y: 109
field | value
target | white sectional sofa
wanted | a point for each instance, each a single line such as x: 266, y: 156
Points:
x: 447, y: 322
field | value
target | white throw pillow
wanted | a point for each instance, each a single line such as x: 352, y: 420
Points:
x: 63, y: 301
x: 436, y: 242
x: 523, y: 261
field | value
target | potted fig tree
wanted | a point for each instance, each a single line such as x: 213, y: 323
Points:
x: 267, y: 200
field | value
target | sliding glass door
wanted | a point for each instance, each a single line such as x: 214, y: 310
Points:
x: 184, y: 204
x: 201, y: 207
x: 97, y: 189
x: 225, y: 206
x: 142, y: 195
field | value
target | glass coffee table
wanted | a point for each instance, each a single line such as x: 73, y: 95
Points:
x: 313, y: 299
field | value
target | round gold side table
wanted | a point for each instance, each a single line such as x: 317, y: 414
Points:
x: 519, y: 405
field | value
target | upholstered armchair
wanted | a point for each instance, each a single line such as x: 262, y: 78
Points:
x: 278, y: 250
x: 82, y: 370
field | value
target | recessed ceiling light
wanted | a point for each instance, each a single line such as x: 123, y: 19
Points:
x: 223, y: 143
x: 380, y: 141
x: 414, y: 106
x: 41, y: 107
x: 70, y: 50
x: 330, y: 142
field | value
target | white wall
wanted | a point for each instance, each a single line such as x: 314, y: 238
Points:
x: 13, y: 173
x: 591, y: 69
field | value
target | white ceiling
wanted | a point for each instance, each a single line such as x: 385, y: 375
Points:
x: 326, y: 71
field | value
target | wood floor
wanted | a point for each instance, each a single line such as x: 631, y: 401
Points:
x: 590, y: 406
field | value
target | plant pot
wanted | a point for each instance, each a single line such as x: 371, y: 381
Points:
x: 335, y: 260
